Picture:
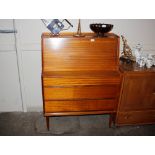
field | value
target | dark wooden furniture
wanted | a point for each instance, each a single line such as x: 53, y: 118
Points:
x: 80, y: 75
x: 137, y: 99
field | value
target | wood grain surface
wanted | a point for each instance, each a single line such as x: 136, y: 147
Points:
x: 80, y: 105
x: 137, y: 97
x: 80, y: 75
x: 83, y: 92
x: 80, y: 54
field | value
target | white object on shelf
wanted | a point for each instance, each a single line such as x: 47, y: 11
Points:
x: 142, y: 58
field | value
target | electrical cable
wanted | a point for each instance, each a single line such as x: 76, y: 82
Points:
x: 16, y: 49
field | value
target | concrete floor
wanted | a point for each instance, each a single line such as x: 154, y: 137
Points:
x: 18, y: 123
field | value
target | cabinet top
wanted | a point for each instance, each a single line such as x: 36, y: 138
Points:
x: 71, y: 35
x: 134, y: 67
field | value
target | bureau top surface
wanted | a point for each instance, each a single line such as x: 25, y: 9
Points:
x: 86, y: 35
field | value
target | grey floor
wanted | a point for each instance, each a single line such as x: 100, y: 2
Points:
x: 29, y: 124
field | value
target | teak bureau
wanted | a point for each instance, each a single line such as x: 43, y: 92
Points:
x: 80, y: 75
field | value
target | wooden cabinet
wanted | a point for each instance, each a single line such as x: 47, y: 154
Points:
x: 80, y: 75
x: 137, y: 99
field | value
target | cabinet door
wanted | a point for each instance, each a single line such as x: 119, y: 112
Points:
x: 138, y: 92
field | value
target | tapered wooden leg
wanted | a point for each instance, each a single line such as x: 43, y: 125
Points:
x: 110, y: 120
x: 47, y: 123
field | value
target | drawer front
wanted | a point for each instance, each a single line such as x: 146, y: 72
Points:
x: 79, y: 105
x: 138, y: 117
x: 84, y: 92
x: 81, y: 80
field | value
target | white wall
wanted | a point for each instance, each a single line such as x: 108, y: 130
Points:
x: 29, y: 49
x: 136, y: 31
x: 10, y: 94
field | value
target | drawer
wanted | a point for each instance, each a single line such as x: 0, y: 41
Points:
x: 81, y: 78
x: 136, y: 117
x: 79, y: 105
x: 81, y: 92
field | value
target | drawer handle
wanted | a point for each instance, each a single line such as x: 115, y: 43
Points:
x: 153, y: 93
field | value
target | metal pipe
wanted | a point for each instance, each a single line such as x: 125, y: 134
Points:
x: 8, y: 31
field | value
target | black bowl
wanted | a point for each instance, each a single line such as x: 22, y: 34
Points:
x: 101, y: 29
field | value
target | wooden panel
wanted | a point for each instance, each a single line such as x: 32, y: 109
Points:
x: 79, y: 105
x: 80, y: 79
x: 137, y: 117
x: 84, y: 92
x: 138, y: 92
x: 68, y: 54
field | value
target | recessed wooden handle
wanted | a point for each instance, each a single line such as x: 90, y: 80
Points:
x: 127, y: 116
